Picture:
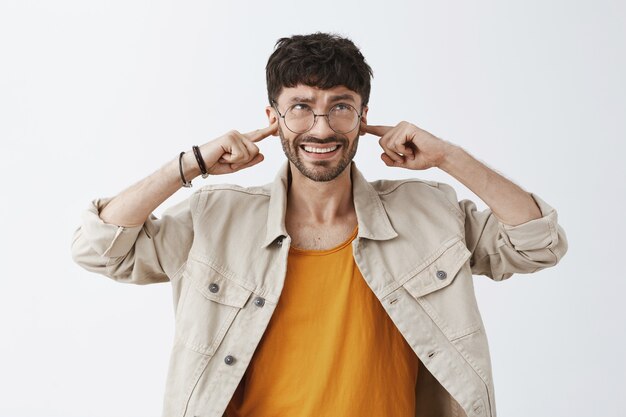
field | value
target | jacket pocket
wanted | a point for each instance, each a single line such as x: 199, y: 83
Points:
x: 437, y: 271
x: 443, y: 286
x: 209, y: 307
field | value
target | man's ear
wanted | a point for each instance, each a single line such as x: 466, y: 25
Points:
x: 271, y: 117
x: 364, y: 118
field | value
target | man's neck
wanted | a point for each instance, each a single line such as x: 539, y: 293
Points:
x: 317, y: 202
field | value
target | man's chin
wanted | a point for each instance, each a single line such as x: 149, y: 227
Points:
x: 320, y: 171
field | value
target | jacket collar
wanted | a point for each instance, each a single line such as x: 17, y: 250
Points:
x: 373, y: 222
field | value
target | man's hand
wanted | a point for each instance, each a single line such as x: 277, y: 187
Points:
x: 408, y: 146
x: 234, y: 151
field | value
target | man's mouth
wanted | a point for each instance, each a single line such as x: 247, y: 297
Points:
x: 320, y: 149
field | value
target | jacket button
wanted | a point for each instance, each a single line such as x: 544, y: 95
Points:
x: 214, y: 287
x: 441, y: 274
x: 279, y: 242
x: 259, y: 302
x: 229, y: 360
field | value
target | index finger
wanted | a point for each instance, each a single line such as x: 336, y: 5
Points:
x: 260, y: 134
x: 376, y: 130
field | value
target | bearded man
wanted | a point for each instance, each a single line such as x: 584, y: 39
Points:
x: 322, y: 293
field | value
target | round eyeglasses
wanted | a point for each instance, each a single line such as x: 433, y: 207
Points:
x: 300, y: 118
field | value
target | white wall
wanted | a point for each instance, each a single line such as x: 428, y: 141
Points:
x: 95, y: 95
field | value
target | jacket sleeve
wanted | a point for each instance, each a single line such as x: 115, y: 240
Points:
x: 153, y: 252
x: 500, y: 250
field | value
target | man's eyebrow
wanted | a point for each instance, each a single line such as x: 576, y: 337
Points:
x: 302, y: 99
x: 343, y: 97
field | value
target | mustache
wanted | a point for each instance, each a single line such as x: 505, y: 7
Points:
x: 312, y: 139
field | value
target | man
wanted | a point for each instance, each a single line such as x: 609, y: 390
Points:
x: 323, y: 294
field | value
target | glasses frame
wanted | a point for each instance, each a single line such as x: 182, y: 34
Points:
x: 315, y: 116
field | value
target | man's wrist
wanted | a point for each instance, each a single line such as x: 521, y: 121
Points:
x: 452, y: 158
x: 191, y: 169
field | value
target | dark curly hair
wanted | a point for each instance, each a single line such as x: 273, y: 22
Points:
x: 322, y: 60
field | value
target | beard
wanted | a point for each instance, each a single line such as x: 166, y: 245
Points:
x: 323, y: 170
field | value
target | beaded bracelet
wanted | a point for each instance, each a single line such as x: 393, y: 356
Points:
x: 180, y: 167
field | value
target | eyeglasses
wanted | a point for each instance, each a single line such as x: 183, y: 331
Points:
x: 300, y: 118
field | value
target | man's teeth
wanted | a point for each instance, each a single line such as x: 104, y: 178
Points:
x: 319, y: 150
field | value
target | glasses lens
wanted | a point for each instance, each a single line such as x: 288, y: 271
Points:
x: 343, y: 118
x: 299, y: 118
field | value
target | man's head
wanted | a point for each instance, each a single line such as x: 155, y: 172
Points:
x: 318, y: 73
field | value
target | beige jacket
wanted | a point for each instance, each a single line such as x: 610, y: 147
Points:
x: 224, y: 251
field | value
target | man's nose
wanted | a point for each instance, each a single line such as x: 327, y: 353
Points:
x: 321, y: 128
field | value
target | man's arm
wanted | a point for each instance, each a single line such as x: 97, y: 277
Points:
x: 511, y: 204
x: 131, y: 207
x: 519, y: 233
x: 120, y: 237
x: 408, y: 146
x: 227, y: 154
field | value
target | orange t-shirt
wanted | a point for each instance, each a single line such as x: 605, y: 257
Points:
x: 330, y: 348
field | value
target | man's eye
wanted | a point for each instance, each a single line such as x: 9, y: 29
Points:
x: 300, y: 106
x: 342, y: 106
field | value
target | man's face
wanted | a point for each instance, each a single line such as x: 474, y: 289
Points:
x: 320, y: 154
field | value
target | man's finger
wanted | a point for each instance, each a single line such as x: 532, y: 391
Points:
x: 258, y: 158
x: 387, y: 160
x: 260, y: 134
x: 376, y: 130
